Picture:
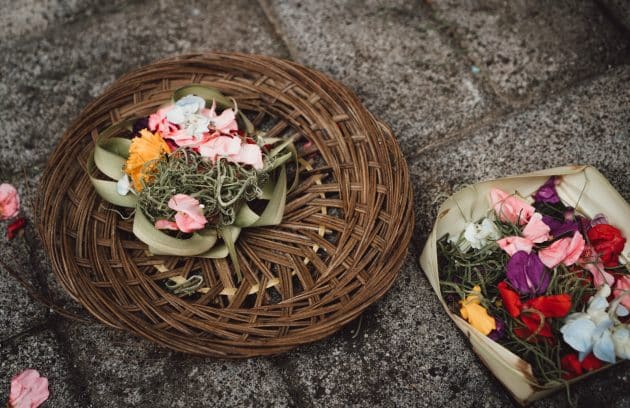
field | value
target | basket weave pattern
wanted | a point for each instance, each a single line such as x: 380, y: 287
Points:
x: 343, y: 238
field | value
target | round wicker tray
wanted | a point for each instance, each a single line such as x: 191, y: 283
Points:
x: 343, y: 238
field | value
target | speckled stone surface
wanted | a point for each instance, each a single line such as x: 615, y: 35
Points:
x: 394, y: 56
x: 530, y: 46
x: 473, y: 89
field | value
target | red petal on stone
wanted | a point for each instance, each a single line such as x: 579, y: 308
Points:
x: 15, y: 227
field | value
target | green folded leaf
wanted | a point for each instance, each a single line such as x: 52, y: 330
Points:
x: 163, y: 244
x: 107, y: 190
x: 245, y: 217
x: 111, y: 155
x: 221, y: 250
x: 272, y: 215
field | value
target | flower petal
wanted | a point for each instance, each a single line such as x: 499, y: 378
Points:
x: 527, y: 274
x: 512, y: 245
x: 554, y: 253
x: 536, y: 230
x: 604, y: 348
x: 249, y: 154
x: 578, y: 333
x: 574, y: 250
x: 510, y: 208
x: 9, y: 201
x: 166, y: 224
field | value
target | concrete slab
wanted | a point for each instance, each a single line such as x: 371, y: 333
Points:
x: 44, y: 352
x: 529, y: 47
x: 393, y: 56
x: 47, y: 79
x: 121, y: 370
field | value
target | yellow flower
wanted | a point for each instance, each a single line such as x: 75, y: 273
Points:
x: 148, y: 147
x: 476, y: 314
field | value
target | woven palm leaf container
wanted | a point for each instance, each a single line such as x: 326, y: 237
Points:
x: 582, y: 187
x: 342, y: 239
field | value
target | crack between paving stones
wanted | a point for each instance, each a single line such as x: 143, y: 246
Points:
x: 448, y: 31
x: 498, y: 116
x: 78, y: 385
x: 288, y: 372
x: 277, y: 29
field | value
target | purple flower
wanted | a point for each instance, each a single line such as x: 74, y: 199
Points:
x: 498, y: 333
x: 547, y: 192
x: 559, y: 228
x: 527, y: 274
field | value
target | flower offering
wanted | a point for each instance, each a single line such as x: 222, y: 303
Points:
x: 195, y: 173
x: 536, y: 276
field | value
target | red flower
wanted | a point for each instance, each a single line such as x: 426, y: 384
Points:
x: 511, y: 300
x: 608, y: 242
x: 572, y: 366
x: 592, y: 363
x: 15, y: 227
x: 533, y: 312
x: 551, y: 306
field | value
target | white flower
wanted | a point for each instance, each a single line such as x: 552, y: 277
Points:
x: 477, y: 235
x: 187, y: 114
x: 621, y: 339
x: 123, y: 185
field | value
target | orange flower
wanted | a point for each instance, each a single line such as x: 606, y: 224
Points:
x: 148, y: 147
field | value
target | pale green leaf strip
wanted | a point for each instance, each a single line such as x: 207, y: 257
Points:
x: 221, y: 250
x: 108, y: 189
x: 108, y: 157
x: 229, y: 239
x: 279, y: 161
x: 245, y: 217
x: 163, y: 244
x: 272, y: 215
x: 267, y: 190
x: 108, y: 192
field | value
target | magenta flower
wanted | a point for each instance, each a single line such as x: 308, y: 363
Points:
x: 547, y: 192
x: 527, y: 274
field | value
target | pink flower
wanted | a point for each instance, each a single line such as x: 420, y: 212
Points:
x: 510, y: 208
x: 249, y: 154
x: 536, y: 230
x: 159, y: 123
x: 623, y: 284
x: 222, y: 146
x: 166, y: 224
x: 512, y: 245
x: 575, y: 249
x: 9, y: 201
x: 189, y: 215
x: 28, y: 390
x: 600, y: 276
x: 225, y: 122
x: 564, y: 250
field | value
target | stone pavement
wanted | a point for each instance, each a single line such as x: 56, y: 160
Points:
x: 474, y: 89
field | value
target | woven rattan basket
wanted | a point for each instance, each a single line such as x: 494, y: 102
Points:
x: 344, y: 234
